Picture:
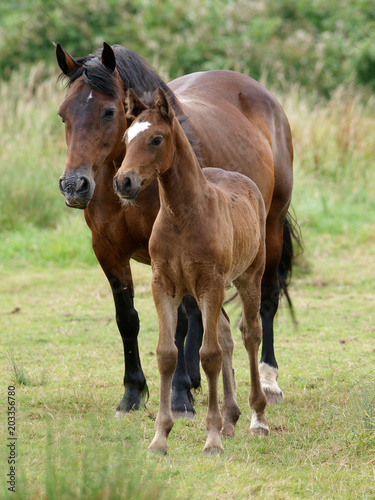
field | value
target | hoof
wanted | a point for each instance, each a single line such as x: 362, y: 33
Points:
x: 259, y: 425
x: 259, y: 431
x: 133, y: 399
x: 228, y: 430
x: 188, y: 415
x: 212, y: 452
x: 121, y: 414
x: 273, y: 396
x: 182, y: 404
x: 268, y: 379
x: 157, y: 451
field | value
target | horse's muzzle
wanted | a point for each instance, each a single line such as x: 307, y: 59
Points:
x: 127, y: 187
x: 77, y: 189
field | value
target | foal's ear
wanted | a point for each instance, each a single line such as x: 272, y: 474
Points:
x: 65, y: 61
x: 108, y: 57
x: 133, y: 105
x: 163, y: 105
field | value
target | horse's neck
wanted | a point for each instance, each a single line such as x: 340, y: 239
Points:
x: 183, y: 185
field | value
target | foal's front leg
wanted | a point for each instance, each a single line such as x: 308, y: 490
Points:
x: 166, y: 353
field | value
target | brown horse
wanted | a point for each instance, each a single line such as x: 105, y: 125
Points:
x: 209, y: 232
x: 240, y: 126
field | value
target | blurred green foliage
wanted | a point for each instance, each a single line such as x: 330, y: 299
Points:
x: 319, y: 44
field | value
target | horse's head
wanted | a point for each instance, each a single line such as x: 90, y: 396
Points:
x: 94, y: 116
x: 149, y: 144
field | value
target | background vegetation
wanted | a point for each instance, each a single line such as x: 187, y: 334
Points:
x: 315, y: 43
x: 59, y: 343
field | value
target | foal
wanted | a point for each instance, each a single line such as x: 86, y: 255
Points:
x: 209, y: 232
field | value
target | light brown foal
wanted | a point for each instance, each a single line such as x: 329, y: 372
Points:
x: 209, y: 232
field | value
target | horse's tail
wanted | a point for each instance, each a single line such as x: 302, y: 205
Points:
x: 291, y: 233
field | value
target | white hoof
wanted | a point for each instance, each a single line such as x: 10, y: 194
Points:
x: 268, y: 376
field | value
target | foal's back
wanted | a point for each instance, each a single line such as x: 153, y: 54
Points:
x: 244, y: 205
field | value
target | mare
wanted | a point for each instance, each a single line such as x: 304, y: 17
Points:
x: 240, y: 126
x: 209, y: 232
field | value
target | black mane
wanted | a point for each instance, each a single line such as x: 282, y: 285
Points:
x: 133, y: 69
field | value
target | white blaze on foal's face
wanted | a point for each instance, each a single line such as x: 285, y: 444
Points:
x: 136, y: 129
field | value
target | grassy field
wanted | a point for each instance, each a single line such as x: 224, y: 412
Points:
x: 61, y: 350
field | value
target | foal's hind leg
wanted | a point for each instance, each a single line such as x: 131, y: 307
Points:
x: 230, y: 409
x: 248, y: 286
x: 211, y: 359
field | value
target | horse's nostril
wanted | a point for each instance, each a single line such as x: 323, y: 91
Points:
x: 127, y: 184
x: 83, y: 185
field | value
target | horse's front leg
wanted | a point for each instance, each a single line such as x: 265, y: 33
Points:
x: 118, y: 272
x: 136, y: 390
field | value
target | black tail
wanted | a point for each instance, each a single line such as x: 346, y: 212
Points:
x: 291, y: 233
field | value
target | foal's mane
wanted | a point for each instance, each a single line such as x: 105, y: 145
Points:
x: 135, y: 73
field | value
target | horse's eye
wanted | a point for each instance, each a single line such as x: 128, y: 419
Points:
x: 109, y: 113
x: 62, y: 119
x: 157, y: 141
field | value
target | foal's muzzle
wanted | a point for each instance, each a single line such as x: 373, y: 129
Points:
x: 127, y: 186
x: 77, y: 189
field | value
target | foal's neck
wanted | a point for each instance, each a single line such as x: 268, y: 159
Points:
x: 182, y: 186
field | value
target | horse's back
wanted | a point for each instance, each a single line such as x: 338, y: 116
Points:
x: 241, y: 127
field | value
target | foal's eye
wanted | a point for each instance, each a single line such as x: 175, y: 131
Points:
x: 157, y: 140
x: 109, y: 113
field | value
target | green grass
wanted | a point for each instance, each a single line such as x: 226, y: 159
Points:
x: 59, y: 325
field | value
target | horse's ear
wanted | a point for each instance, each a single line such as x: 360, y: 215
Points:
x: 133, y: 105
x: 108, y: 57
x: 163, y: 105
x: 65, y: 61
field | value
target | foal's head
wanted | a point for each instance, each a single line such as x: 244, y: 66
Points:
x: 150, y: 146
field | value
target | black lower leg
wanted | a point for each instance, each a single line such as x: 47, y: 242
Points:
x: 136, y: 390
x: 182, y: 399
x: 268, y: 309
x: 193, y: 340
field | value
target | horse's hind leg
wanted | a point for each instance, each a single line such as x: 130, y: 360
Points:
x: 182, y: 398
x: 193, y: 340
x: 269, y: 304
x: 248, y: 286
x: 230, y: 409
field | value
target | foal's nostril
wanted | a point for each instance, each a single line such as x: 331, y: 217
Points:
x: 127, y: 185
x: 83, y: 185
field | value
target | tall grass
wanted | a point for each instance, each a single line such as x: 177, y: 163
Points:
x: 31, y: 149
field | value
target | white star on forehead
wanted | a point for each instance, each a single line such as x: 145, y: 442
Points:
x: 89, y: 97
x: 136, y: 129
